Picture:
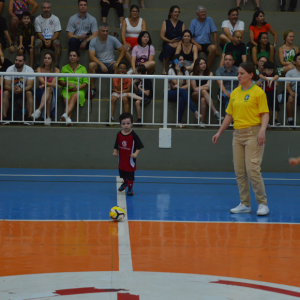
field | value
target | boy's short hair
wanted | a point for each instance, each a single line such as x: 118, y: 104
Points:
x: 295, y: 57
x: 82, y: 1
x: 268, y: 65
x: 124, y: 116
x: 122, y: 63
x: 26, y: 14
x: 229, y: 53
x: 141, y: 69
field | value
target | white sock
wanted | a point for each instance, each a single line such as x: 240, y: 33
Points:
x: 120, y: 25
x: 290, y: 119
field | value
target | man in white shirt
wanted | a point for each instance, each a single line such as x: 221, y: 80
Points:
x: 47, y: 27
x: 16, y: 87
x: 230, y: 26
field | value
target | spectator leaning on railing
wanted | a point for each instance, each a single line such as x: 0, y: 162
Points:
x: 229, y: 69
x: 74, y: 90
x: 16, y: 8
x: 47, y: 28
x: 50, y: 92
x: 230, y: 26
x: 81, y: 28
x: 170, y: 33
x: 102, y: 55
x: 236, y: 47
x: 202, y: 28
x: 291, y: 90
x: 17, y: 86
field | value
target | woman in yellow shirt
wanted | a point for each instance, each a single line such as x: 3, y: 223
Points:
x: 248, y: 108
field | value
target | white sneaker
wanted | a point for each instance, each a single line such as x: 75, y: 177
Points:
x: 69, y: 122
x: 36, y: 114
x: 202, y: 125
x: 130, y: 71
x: 262, y: 210
x: 241, y: 209
x: 217, y: 116
x: 64, y: 117
x: 47, y: 122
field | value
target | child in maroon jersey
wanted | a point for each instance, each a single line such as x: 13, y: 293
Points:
x: 129, y: 145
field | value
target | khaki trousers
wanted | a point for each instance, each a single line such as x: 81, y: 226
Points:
x: 247, y: 157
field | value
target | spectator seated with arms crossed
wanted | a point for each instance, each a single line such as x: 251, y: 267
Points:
x: 47, y: 27
x: 123, y: 92
x: 21, y: 85
x: 229, y: 69
x: 237, y: 48
x: 4, y: 35
x: 170, y: 33
x: 269, y: 90
x: 16, y: 8
x: 184, y: 99
x: 74, y: 90
x: 143, y: 54
x: 263, y: 48
x: 26, y: 36
x: 201, y: 69
x: 50, y: 92
x: 201, y: 29
x: 102, y: 55
x: 230, y: 26
x: 259, y: 25
x: 141, y: 90
x: 186, y: 45
x: 291, y: 90
x: 81, y: 28
x: 287, y: 53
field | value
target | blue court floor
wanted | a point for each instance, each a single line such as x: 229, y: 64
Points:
x: 37, y: 194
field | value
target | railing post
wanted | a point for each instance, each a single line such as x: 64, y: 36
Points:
x: 165, y: 118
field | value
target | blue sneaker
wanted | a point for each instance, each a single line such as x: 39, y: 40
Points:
x: 130, y: 192
x: 123, y: 187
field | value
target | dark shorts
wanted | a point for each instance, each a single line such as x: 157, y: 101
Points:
x: 19, y: 16
x: 18, y: 97
x: 126, y: 175
x: 3, y: 43
x: 204, y: 48
x: 298, y: 98
x: 26, y: 46
x: 110, y: 68
x: 270, y: 98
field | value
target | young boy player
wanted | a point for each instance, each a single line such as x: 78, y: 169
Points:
x: 129, y: 145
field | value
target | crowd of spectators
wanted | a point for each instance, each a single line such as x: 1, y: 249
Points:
x: 180, y: 55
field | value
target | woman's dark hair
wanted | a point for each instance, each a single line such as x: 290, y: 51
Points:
x: 255, y: 15
x: 259, y: 45
x: 196, y: 68
x: 172, y: 9
x: 134, y: 6
x: 185, y: 31
x: 124, y: 116
x: 182, y: 69
x: 52, y: 67
x: 249, y: 68
x: 76, y: 51
x: 139, y: 40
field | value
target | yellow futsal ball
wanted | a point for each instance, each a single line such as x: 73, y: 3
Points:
x: 117, y: 213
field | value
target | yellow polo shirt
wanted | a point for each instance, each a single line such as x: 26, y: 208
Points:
x: 246, y: 107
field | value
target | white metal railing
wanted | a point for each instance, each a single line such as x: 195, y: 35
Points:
x: 164, y: 119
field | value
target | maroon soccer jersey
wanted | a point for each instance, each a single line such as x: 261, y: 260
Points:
x: 127, y: 144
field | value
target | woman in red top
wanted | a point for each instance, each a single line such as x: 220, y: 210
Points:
x: 259, y: 25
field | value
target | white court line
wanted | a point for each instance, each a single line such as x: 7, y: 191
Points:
x: 165, y: 177
x: 125, y: 260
